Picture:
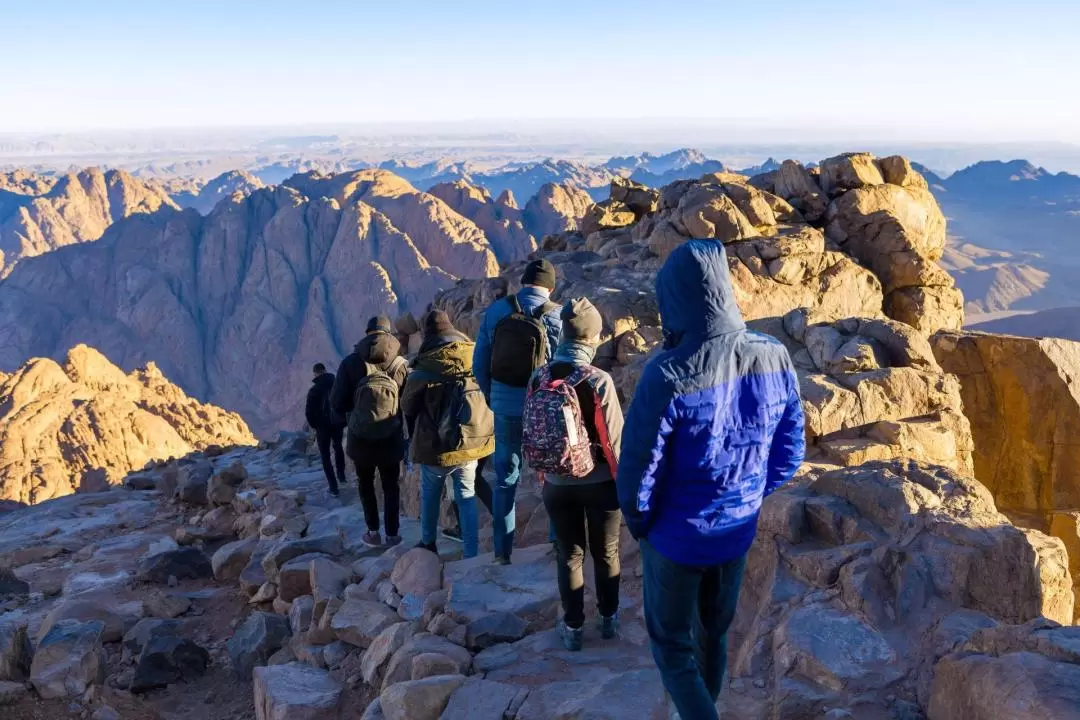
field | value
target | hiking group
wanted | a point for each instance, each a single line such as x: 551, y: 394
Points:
x: 714, y: 427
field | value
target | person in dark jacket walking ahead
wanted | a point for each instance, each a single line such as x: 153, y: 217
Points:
x: 716, y: 425
x: 328, y: 426
x: 519, y: 334
x: 450, y: 427
x: 584, y: 508
x: 374, y: 373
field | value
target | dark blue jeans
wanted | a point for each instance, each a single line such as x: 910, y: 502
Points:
x: 507, y: 461
x: 688, y: 611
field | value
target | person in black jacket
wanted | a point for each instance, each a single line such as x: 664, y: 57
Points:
x: 328, y: 425
x: 381, y: 349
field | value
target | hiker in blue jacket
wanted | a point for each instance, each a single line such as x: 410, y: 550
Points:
x: 715, y: 426
x: 503, y: 367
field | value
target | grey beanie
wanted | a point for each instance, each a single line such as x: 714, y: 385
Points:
x: 581, y: 321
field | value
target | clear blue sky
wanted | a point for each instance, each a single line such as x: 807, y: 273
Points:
x: 917, y: 69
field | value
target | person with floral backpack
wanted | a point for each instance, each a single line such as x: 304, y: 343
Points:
x: 572, y: 430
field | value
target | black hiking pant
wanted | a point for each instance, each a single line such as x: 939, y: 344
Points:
x: 390, y: 477
x: 327, y: 438
x: 586, y: 515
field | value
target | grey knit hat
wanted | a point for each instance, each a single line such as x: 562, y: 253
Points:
x: 581, y: 321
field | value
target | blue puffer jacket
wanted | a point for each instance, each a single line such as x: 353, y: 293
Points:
x: 503, y: 399
x: 716, y: 423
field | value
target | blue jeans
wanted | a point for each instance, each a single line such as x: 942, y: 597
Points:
x: 507, y: 462
x: 432, y: 480
x: 688, y: 611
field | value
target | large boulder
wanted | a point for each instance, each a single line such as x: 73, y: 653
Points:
x: 167, y: 659
x: 186, y: 563
x: 259, y: 637
x: 15, y: 650
x: 230, y: 559
x: 359, y: 622
x: 860, y: 579
x: 418, y: 572
x: 68, y: 659
x: 419, y: 699
x: 1010, y: 673
x: 296, y: 692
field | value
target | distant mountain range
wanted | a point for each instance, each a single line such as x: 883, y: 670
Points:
x: 1015, y: 235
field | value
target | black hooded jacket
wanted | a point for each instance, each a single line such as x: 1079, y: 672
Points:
x: 317, y: 410
x: 379, y: 349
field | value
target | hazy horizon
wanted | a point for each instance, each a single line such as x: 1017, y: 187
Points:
x: 920, y: 72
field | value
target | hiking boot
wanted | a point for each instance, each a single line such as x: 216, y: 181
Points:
x: 501, y: 560
x: 392, y: 540
x: 609, y: 626
x: 572, y: 638
x: 453, y: 534
x: 429, y: 547
x: 335, y: 493
x: 372, y: 538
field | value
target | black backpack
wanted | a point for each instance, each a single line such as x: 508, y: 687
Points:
x: 520, y: 345
x: 376, y: 410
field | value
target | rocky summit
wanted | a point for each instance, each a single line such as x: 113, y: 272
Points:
x: 915, y: 568
x: 83, y: 425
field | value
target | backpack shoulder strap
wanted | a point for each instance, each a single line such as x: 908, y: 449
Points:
x: 515, y: 304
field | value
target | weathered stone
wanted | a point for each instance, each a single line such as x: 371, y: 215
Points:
x: 419, y: 699
x: 335, y: 653
x: 493, y: 629
x: 116, y: 618
x: 167, y: 659
x: 183, y: 564
x: 192, y: 483
x: 68, y: 659
x: 328, y: 580
x: 231, y: 558
x: 399, y: 668
x: 166, y: 605
x: 419, y: 571
x: 296, y: 692
x: 145, y: 630
x: 477, y: 699
x: 359, y: 622
x: 434, y: 604
x: 635, y: 693
x: 253, y: 576
x: 432, y: 664
x: 15, y: 650
x: 12, y: 692
x: 294, y: 577
x: 477, y: 588
x: 267, y: 592
x: 300, y: 613
x: 259, y: 637
x: 222, y: 486
x: 284, y: 552
x: 385, y: 644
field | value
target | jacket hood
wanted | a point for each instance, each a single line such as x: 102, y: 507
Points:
x: 378, y: 348
x: 695, y: 294
x: 324, y: 381
x: 453, y: 358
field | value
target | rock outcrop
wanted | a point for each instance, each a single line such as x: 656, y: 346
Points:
x: 501, y: 220
x: 880, y: 212
x: 62, y: 425
x: 1023, y: 398
x: 235, y: 307
x: 204, y: 198
x: 37, y: 216
x: 556, y: 208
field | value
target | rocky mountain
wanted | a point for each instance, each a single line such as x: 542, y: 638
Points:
x: 500, y: 219
x: 885, y: 581
x: 656, y: 170
x: 1061, y: 322
x: 38, y: 215
x: 204, y: 198
x: 236, y: 306
x: 556, y: 208
x: 1016, y: 235
x: 85, y: 423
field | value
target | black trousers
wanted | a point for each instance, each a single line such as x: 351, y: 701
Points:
x: 586, y: 515
x: 389, y: 476
x: 327, y: 438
